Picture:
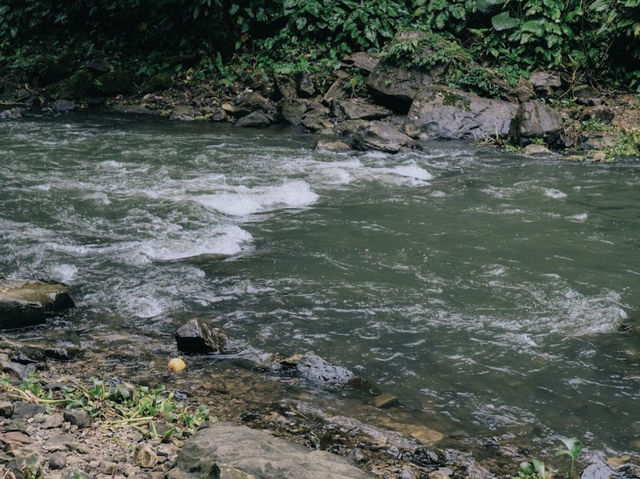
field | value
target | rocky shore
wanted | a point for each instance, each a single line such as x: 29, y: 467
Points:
x: 370, y: 103
x: 66, y: 413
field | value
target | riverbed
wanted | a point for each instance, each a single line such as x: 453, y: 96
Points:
x: 495, y: 292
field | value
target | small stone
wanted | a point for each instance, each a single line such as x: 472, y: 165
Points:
x: 22, y: 409
x: 6, y: 409
x: 177, y: 364
x: 145, y: 456
x: 357, y: 456
x: 385, y: 400
x: 57, y: 460
x: 197, y: 337
x: 328, y: 145
x: 77, y: 417
x: 617, y: 461
x: 107, y: 467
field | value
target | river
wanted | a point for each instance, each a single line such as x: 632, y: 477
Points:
x: 496, y: 291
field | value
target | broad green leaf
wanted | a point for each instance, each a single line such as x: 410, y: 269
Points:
x: 537, y: 27
x: 573, y: 445
x: 502, y: 21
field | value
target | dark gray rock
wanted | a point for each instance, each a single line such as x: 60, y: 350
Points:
x: 545, y: 82
x: 536, y: 120
x: 183, y: 113
x: 77, y: 417
x: 426, y: 457
x: 319, y: 372
x: 358, y: 109
x: 597, y: 470
x: 6, y: 409
x: 305, y: 86
x: 599, y: 113
x: 376, y: 135
x: 63, y: 106
x: 22, y: 371
x: 249, y: 102
x: 97, y: 65
x: 365, y: 62
x: 587, y: 95
x: 286, y: 86
x: 336, y: 90
x: 317, y: 119
x: 26, y: 410
x: 523, y: 91
x: 257, y: 453
x: 79, y: 85
x: 396, y: 87
x: 197, y: 337
x: 292, y: 110
x: 26, y: 303
x: 12, y: 114
x: 114, y: 83
x: 141, y: 109
x: 441, y: 112
x: 534, y: 149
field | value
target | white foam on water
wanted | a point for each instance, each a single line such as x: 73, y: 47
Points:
x: 412, y: 171
x: 64, y: 273
x: 553, y: 193
x: 244, y: 200
x: 225, y: 240
x: 579, y: 218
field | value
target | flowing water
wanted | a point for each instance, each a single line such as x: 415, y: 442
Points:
x: 499, y: 292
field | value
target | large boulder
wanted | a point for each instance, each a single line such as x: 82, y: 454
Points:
x: 254, y: 119
x: 197, y: 337
x: 396, y: 87
x: 363, y: 61
x: 358, y: 109
x: 376, y: 135
x: 26, y: 303
x: 536, y: 120
x: 292, y: 110
x: 251, y: 453
x: 440, y: 112
x: 248, y: 102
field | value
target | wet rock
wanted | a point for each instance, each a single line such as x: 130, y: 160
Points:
x: 358, y: 109
x: 141, y: 109
x: 292, y: 110
x: 545, y: 82
x: 587, y: 95
x: 57, y: 460
x: 197, y: 337
x: 365, y: 62
x: 597, y: 469
x: 304, y: 84
x: 25, y: 303
x: 249, y: 102
x: 385, y: 400
x: 97, y: 65
x: 317, y: 119
x: 33, y: 352
x: 445, y: 113
x: 11, y: 114
x: 6, y: 409
x: 536, y: 120
x: 286, y: 87
x: 63, y: 106
x: 319, y: 372
x: 534, y: 149
x: 77, y: 417
x: 424, y: 434
x: 331, y: 145
x: 256, y: 453
x: 380, y: 136
x: 255, y: 119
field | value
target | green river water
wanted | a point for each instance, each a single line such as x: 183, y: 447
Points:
x: 496, y: 291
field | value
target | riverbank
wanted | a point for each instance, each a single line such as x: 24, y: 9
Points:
x: 370, y: 102
x: 60, y: 424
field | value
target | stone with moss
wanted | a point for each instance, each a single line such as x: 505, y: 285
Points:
x: 26, y: 303
x: 79, y: 85
x: 114, y: 83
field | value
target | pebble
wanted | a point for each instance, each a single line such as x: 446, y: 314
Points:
x: 77, y: 417
x: 385, y: 400
x: 108, y: 467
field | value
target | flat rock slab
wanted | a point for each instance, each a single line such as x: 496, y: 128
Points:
x: 256, y: 453
x: 26, y: 303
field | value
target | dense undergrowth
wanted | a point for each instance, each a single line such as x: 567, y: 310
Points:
x: 229, y: 40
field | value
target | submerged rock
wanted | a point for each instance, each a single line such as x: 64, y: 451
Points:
x: 440, y: 112
x: 319, y: 372
x: 256, y: 453
x: 197, y: 337
x: 254, y: 119
x: 329, y: 145
x: 534, y: 149
x: 26, y: 303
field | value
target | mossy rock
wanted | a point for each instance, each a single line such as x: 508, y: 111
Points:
x: 159, y: 81
x: 26, y: 303
x: 79, y: 85
x: 114, y: 83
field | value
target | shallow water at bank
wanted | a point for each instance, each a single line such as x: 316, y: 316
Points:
x: 482, y: 287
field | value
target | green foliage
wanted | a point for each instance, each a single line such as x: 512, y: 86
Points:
x: 478, y: 80
x: 628, y: 145
x: 424, y: 50
x: 356, y: 85
x: 537, y: 469
x: 573, y: 449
